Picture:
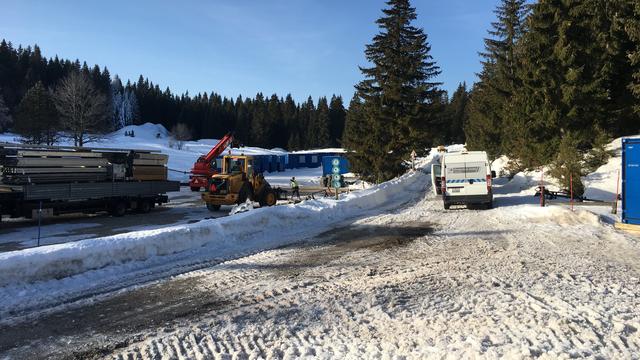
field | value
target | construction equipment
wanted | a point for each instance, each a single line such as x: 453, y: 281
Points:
x: 205, y: 166
x: 237, y: 183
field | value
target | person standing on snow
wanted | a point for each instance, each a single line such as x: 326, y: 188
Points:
x: 295, y: 188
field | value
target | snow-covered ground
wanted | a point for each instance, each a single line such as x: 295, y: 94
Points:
x: 49, y: 274
x: 383, y: 273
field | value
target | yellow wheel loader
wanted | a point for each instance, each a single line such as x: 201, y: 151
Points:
x: 238, y: 182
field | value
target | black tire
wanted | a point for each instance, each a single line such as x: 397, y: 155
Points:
x: 447, y: 206
x: 489, y: 205
x: 195, y: 189
x: 119, y: 209
x: 144, y: 206
x: 243, y: 195
x: 213, y: 207
x: 268, y: 198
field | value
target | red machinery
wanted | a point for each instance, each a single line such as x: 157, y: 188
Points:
x: 204, y: 167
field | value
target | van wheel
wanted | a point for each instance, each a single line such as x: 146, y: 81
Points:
x: 447, y: 206
x: 489, y: 205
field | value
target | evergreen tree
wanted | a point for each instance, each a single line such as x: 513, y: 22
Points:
x: 243, y: 120
x: 457, y: 115
x: 259, y: 123
x: 574, y: 70
x: 36, y: 117
x: 355, y: 136
x: 290, y: 117
x: 490, y: 101
x: 277, y: 136
x: 337, y: 116
x: 633, y: 30
x: 305, y: 120
x: 5, y: 118
x: 319, y: 135
x: 398, y: 94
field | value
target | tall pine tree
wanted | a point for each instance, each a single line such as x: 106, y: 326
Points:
x: 491, y: 96
x: 398, y: 94
x: 337, y: 115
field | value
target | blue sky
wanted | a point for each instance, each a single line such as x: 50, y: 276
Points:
x: 302, y: 47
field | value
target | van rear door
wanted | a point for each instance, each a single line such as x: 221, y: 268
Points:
x: 466, y: 178
x: 476, y: 173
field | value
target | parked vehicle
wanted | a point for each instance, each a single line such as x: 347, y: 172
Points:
x: 45, y: 180
x: 237, y: 183
x: 205, y: 166
x: 465, y: 179
x: 436, y: 178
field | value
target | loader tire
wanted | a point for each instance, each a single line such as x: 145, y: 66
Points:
x: 213, y: 207
x: 269, y: 198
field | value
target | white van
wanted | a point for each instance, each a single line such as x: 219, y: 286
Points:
x: 465, y: 179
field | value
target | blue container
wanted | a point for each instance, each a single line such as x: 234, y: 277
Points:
x: 282, y: 164
x: 259, y: 163
x: 300, y: 161
x: 313, y: 160
x: 631, y: 181
x: 274, y: 163
x: 327, y: 164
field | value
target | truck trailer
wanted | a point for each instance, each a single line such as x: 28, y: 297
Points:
x: 46, y: 180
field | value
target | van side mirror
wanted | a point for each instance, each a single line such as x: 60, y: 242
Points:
x: 493, y: 174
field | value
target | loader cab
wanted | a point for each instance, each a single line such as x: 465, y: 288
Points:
x: 233, y: 165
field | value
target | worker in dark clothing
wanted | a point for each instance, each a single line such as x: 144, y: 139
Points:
x: 295, y: 188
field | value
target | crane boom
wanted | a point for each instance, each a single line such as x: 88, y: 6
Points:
x: 204, y: 167
x: 218, y: 148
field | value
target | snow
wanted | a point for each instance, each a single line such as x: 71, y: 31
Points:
x: 518, y: 281
x: 402, y: 279
x: 28, y: 276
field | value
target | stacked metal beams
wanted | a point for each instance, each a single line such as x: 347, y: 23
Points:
x: 27, y: 164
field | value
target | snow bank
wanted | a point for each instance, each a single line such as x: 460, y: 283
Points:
x: 252, y: 231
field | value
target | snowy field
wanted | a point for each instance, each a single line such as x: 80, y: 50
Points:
x: 382, y: 273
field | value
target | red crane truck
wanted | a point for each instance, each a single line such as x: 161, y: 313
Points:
x: 205, y: 166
